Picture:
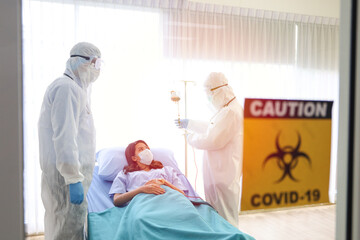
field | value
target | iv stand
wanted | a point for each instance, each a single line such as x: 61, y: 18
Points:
x: 185, y: 134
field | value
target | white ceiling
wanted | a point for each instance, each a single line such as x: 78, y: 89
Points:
x: 324, y: 8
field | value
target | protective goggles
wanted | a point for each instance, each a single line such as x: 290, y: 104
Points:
x: 218, y: 87
x: 97, y: 62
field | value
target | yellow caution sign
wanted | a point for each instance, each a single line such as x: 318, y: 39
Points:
x: 286, y: 159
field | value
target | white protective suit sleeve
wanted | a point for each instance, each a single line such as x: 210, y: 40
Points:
x: 65, y: 115
x: 219, y: 132
x: 197, y: 126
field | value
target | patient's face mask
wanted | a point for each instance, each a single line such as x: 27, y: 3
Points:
x: 146, y: 157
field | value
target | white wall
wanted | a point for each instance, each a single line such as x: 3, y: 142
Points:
x: 324, y: 8
x: 11, y: 170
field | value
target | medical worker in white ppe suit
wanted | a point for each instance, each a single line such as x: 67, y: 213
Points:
x: 67, y: 145
x: 222, y: 141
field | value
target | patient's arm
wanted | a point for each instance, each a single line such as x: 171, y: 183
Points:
x: 173, y: 187
x: 161, y: 181
x: 122, y: 198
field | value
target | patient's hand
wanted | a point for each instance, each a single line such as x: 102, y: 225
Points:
x: 161, y: 181
x: 158, y: 181
x: 152, y: 188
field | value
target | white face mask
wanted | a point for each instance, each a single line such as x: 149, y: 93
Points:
x: 88, y: 73
x: 94, y: 73
x: 209, y: 98
x: 146, y: 157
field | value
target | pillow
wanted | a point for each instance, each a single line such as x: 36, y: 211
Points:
x: 112, y: 160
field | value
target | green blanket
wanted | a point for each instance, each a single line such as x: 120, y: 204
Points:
x: 168, y: 216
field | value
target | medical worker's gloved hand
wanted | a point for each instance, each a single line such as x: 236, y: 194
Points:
x: 182, y: 123
x: 76, y: 193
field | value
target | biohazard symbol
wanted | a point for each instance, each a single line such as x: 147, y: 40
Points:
x: 287, y: 158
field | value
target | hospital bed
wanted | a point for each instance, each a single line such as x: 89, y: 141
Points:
x: 149, y: 216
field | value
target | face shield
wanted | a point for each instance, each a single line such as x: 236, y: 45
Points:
x: 84, y: 64
x: 218, y: 91
x: 214, y: 81
x: 210, y: 92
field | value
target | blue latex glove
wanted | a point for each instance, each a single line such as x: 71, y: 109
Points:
x: 76, y: 193
x: 182, y: 123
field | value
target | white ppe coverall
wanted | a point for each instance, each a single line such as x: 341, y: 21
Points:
x: 67, y: 145
x: 222, y: 142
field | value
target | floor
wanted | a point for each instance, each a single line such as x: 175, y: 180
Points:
x: 316, y: 222
x: 299, y: 223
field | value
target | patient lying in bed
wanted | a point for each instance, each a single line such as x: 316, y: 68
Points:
x: 152, y: 204
x: 142, y: 177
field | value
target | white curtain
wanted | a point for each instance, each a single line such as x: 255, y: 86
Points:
x: 153, y: 47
